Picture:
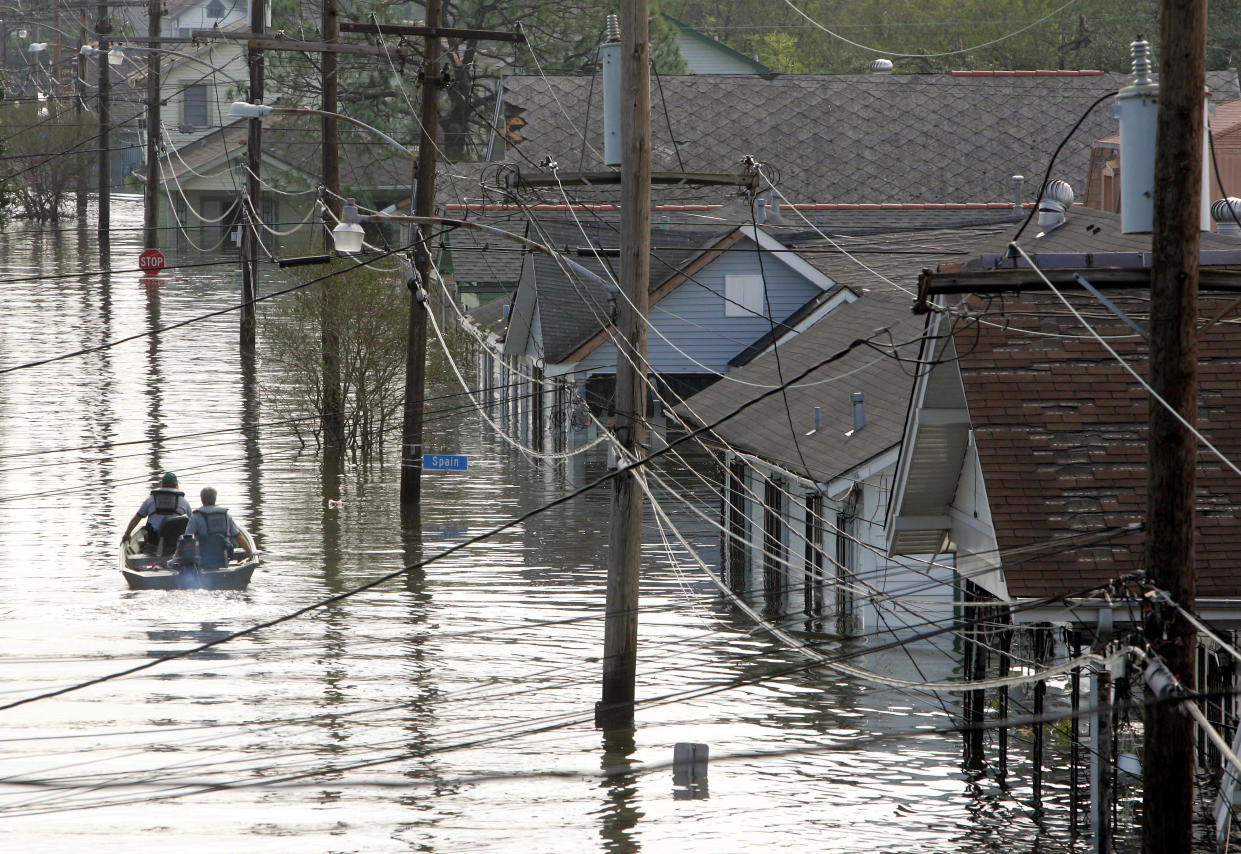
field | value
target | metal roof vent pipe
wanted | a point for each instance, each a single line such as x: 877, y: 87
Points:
x: 760, y: 211
x: 1018, y: 181
x: 881, y: 66
x: 610, y: 58
x: 1055, y: 204
x: 1227, y: 216
x: 859, y: 411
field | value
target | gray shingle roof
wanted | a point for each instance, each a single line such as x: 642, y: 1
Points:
x: 843, y: 138
x: 764, y: 428
x: 893, y: 247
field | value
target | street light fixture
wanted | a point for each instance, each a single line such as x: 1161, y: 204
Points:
x: 348, y: 233
x: 115, y: 56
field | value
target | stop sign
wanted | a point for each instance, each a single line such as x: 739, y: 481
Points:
x: 151, y: 261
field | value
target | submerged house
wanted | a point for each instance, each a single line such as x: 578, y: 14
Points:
x: 807, y: 471
x: 713, y: 295
x: 1025, y: 457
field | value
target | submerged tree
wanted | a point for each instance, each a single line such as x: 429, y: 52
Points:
x: 369, y: 316
x: 367, y: 313
x: 47, y: 143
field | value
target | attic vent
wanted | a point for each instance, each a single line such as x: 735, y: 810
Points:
x: 1227, y: 216
x: 881, y: 66
x: 1056, y: 201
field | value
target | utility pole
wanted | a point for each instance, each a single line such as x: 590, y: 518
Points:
x: 1168, y: 790
x: 150, y: 195
x: 333, y: 400
x: 102, y: 27
x: 252, y: 208
x: 82, y: 182
x: 620, y: 640
x: 424, y: 205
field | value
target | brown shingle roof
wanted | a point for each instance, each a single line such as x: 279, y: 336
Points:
x: 1061, y: 428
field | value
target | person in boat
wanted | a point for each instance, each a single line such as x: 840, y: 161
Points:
x: 214, y: 530
x: 166, y: 501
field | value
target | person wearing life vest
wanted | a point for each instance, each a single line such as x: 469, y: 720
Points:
x: 215, y: 531
x: 164, y: 502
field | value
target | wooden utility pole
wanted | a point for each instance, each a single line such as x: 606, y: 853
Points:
x: 620, y: 640
x: 1168, y: 790
x: 333, y: 419
x: 82, y: 182
x: 104, y: 225
x: 253, y: 207
x: 424, y: 205
x: 150, y: 194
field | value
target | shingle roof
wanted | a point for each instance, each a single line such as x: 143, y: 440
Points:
x: 894, y: 248
x: 1088, y: 230
x: 843, y: 138
x: 1061, y: 432
x: 778, y: 434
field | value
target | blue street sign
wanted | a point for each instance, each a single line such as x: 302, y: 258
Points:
x: 445, y: 462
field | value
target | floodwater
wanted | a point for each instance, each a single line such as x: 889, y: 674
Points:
x: 448, y: 710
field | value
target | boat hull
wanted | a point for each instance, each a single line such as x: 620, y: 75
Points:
x: 162, y: 578
x: 145, y: 571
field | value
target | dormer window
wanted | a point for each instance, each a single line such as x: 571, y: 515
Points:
x: 215, y: 9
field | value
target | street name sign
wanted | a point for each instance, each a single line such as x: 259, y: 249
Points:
x: 445, y: 462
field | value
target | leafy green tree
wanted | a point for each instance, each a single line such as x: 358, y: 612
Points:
x: 945, y: 35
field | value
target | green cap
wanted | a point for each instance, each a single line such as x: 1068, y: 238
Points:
x: 169, y: 479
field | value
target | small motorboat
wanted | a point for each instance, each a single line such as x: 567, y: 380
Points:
x: 172, y: 564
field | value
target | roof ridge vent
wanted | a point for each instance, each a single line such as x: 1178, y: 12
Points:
x: 1227, y: 216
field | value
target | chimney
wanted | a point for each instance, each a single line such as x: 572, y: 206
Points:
x: 610, y: 57
x: 1055, y: 204
x: 859, y: 411
x: 1137, y: 107
x: 1227, y: 216
x: 881, y: 66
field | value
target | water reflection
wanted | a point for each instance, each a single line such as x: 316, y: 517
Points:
x: 620, y: 813
x: 452, y: 689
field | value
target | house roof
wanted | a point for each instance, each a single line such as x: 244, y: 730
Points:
x: 698, y: 48
x: 840, y: 138
x: 894, y: 252
x: 777, y: 429
x: 1085, y: 231
x: 1061, y: 429
x: 1060, y: 426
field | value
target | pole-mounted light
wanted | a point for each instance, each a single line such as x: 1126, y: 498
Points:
x: 348, y: 233
x: 246, y: 110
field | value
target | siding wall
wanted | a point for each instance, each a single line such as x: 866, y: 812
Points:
x: 221, y: 92
x: 693, y: 316
x: 805, y: 582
